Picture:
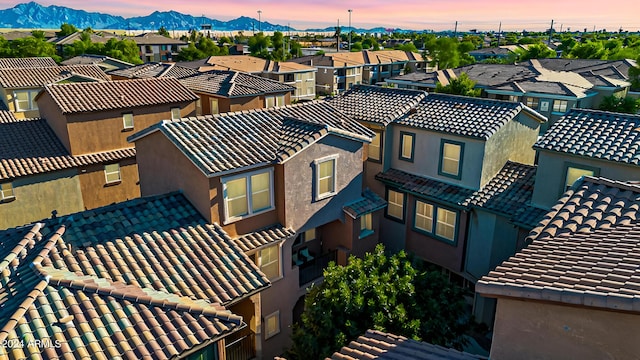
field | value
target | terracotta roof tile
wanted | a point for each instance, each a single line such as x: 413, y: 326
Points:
x: 38, y: 77
x: 266, y: 236
x: 99, y: 96
x: 154, y: 70
x: 29, y: 146
x: 29, y: 62
x: 595, y: 134
x: 368, y: 203
x: 379, y: 345
x: 155, y: 39
x: 236, y: 140
x: 377, y: 104
x: 233, y: 84
x: 6, y: 115
x: 427, y: 187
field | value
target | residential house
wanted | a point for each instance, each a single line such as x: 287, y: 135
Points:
x: 97, y: 117
x: 21, y: 34
x: 155, y: 47
x: 94, y: 37
x: 380, y: 345
x: 500, y: 52
x: 106, y: 63
x: 552, y: 87
x: 573, y: 292
x: 152, y: 70
x: 295, y: 167
x: 223, y: 91
x: 126, y: 281
x: 384, y: 64
x: 20, y: 86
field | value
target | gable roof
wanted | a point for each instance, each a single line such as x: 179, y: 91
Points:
x: 595, y: 134
x: 29, y: 62
x: 464, y: 116
x: 586, y: 251
x: 75, y: 98
x: 155, y: 39
x: 384, y: 346
x: 239, y: 140
x: 233, y: 84
x: 52, y: 295
x: 37, y: 77
x: 377, y: 104
x: 29, y: 147
x: 368, y: 203
x: 89, y: 59
x: 154, y: 70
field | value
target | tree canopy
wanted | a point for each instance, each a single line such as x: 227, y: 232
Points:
x: 627, y: 104
x: 396, y: 294
x: 461, y: 85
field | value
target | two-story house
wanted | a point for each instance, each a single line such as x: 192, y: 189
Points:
x: 155, y: 47
x: 573, y: 292
x: 384, y: 64
x: 94, y: 118
x: 20, y: 86
x: 294, y: 167
x: 128, y: 280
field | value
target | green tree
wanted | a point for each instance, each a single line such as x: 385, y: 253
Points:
x: 462, y: 85
x: 535, y: 51
x: 33, y: 46
x: 396, y: 294
x: 259, y: 44
x: 614, y: 103
x: 66, y: 29
x: 634, y: 75
x: 588, y: 50
x: 163, y: 31
x: 125, y: 50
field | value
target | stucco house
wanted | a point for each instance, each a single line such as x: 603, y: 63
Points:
x: 573, y: 292
x: 156, y: 47
x: 294, y: 173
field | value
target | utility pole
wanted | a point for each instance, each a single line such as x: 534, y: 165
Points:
x: 499, y: 32
x: 455, y: 31
x: 550, y: 32
x: 349, y: 29
x: 338, y: 36
x: 259, y: 20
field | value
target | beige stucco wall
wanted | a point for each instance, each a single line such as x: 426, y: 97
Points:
x: 536, y: 330
x: 36, y: 196
x: 96, y: 192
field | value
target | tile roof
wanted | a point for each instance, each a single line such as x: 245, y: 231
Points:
x: 244, y: 63
x: 377, y: 104
x: 507, y: 192
x: 430, y: 188
x: 384, y: 346
x: 528, y: 216
x: 38, y: 77
x: 86, y: 315
x: 237, y: 140
x: 595, y: 134
x: 233, y: 84
x: 464, y: 116
x: 155, y: 70
x: 586, y: 251
x: 95, y: 38
x: 74, y: 98
x: 89, y: 59
x: 29, y: 146
x: 155, y: 39
x: 266, y: 236
x: 5, y: 114
x: 29, y: 62
x: 368, y: 203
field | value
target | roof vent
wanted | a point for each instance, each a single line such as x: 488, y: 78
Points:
x: 413, y: 111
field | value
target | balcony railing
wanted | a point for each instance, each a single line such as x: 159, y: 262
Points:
x: 313, y: 269
x: 242, y: 349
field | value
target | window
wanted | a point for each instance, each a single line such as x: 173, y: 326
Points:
x: 214, y: 106
x: 560, y: 106
x: 6, y: 192
x: 175, y: 113
x: 273, y: 101
x: 407, y: 141
x: 395, y: 207
x: 544, y: 105
x: 127, y: 120
x: 325, y: 176
x: 514, y: 98
x: 375, y: 148
x: 248, y: 194
x: 532, y: 102
x: 366, y: 225
x: 429, y: 217
x: 198, y: 106
x: 451, y: 158
x: 573, y: 173
x: 272, y: 324
x: 310, y: 234
x: 270, y: 261
x: 112, y: 173
x: 24, y: 100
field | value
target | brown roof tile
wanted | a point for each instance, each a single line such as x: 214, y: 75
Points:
x: 154, y: 70
x: 368, y: 203
x: 266, y: 236
x: 233, y: 84
x: 99, y: 96
x: 38, y: 77
x: 29, y: 62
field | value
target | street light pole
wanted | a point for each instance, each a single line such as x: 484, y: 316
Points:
x: 259, y: 20
x: 349, y: 29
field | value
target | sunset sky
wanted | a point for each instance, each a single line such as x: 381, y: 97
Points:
x: 407, y: 14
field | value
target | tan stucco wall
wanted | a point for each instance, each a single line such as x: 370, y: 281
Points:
x: 96, y: 192
x: 536, y: 330
x: 36, y: 196
x: 57, y: 122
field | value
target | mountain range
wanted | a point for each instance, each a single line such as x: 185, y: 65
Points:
x: 32, y: 15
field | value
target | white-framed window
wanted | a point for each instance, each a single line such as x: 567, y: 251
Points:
x: 366, y: 225
x: 560, y: 106
x: 446, y: 224
x: 213, y: 106
x: 375, y: 148
x: 112, y: 173
x: 395, y: 207
x: 326, y: 176
x: 435, y: 220
x: 424, y: 216
x: 247, y: 194
x: 24, y: 100
x: 127, y: 120
x: 274, y: 100
x: 272, y: 324
x: 175, y: 113
x: 270, y: 261
x: 407, y: 141
x: 532, y: 102
x: 451, y: 158
x: 6, y: 192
